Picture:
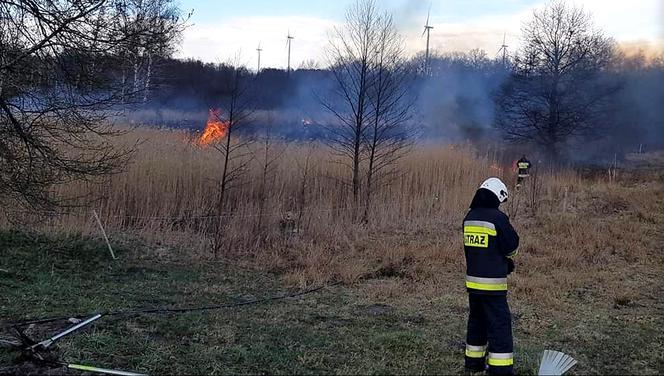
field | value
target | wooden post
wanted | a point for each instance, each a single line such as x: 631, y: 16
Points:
x: 104, y: 233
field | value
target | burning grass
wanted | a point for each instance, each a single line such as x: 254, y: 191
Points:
x: 215, y: 128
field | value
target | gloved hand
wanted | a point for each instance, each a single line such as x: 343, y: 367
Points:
x: 510, y: 265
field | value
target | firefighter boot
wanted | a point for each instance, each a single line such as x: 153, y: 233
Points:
x: 499, y: 333
x: 476, y: 336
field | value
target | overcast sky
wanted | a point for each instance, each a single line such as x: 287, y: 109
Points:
x: 223, y: 29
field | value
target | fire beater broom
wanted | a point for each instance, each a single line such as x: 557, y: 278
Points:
x: 555, y: 363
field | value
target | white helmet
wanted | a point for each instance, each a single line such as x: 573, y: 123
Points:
x: 496, y: 186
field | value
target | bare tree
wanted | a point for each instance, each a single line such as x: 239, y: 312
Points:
x: 556, y: 90
x: 162, y: 27
x: 389, y: 133
x: 351, y: 50
x: 57, y: 87
x: 236, y: 112
x: 368, y: 70
x: 267, y: 156
x: 309, y: 64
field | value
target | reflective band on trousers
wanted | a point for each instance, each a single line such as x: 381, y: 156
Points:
x: 475, y: 351
x: 486, y: 284
x: 500, y: 359
x: 479, y: 227
x: 523, y: 175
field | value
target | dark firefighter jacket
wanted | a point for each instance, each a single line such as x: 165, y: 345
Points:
x: 523, y: 165
x: 489, y: 242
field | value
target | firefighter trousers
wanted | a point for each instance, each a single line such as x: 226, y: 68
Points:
x: 489, y: 335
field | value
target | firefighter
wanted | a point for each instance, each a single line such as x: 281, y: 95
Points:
x: 523, y: 165
x: 490, y: 242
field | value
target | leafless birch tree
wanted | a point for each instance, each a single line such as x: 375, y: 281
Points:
x: 162, y: 26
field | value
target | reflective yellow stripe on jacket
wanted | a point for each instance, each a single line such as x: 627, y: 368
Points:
x: 476, y: 233
x: 523, y: 165
x: 486, y: 284
x: 482, y: 227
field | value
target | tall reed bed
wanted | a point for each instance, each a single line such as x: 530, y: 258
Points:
x: 297, y: 216
x: 171, y: 190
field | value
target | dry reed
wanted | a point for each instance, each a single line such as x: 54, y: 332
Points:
x: 299, y: 220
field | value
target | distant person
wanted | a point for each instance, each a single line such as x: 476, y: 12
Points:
x: 523, y: 166
x: 489, y: 243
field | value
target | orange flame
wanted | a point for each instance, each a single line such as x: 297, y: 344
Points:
x: 215, y: 128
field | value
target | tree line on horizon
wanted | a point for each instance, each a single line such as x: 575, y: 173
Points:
x: 611, y: 104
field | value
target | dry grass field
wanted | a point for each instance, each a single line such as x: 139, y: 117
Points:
x: 298, y: 217
x: 588, y: 279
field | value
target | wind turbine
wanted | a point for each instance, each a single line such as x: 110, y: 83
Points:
x: 259, y: 50
x: 504, y: 49
x: 289, y: 38
x: 427, y: 31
